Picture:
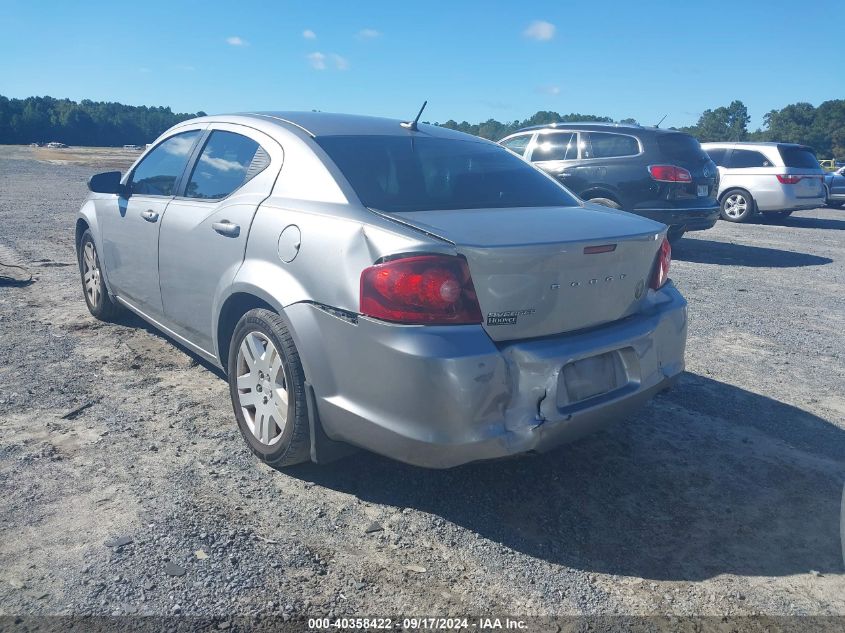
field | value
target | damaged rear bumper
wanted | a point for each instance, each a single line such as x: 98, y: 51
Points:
x: 443, y: 396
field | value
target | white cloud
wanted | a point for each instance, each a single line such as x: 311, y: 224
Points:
x: 549, y: 90
x: 234, y: 40
x: 317, y: 61
x: 368, y: 34
x: 321, y: 61
x: 341, y: 63
x: 308, y: 34
x: 540, y: 31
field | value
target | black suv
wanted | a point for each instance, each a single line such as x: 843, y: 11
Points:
x: 660, y: 174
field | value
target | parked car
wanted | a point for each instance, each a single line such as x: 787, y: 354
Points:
x: 827, y: 164
x: 834, y: 188
x: 774, y: 179
x: 418, y: 292
x: 659, y: 174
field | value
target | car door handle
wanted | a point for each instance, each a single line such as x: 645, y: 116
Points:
x: 149, y: 215
x: 565, y: 173
x: 227, y: 228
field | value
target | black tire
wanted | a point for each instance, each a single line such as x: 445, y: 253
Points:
x: 674, y: 236
x: 293, y: 443
x: 100, y: 303
x: 828, y: 203
x: 736, y: 205
x: 605, y: 202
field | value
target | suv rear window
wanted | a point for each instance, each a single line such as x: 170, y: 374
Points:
x: 679, y: 146
x: 798, y: 157
x: 406, y: 173
x: 612, y: 145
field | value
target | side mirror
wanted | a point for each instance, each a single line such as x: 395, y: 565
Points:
x: 106, y: 182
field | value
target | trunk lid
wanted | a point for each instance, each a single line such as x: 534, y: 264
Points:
x: 531, y: 272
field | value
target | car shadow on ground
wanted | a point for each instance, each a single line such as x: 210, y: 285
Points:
x: 702, y: 251
x: 803, y: 222
x: 709, y: 479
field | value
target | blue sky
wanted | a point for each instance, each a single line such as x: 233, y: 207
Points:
x: 471, y: 60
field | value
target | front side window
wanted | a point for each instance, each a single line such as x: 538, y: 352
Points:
x: 227, y: 161
x: 556, y: 146
x: 743, y: 158
x: 157, y: 173
x: 613, y: 145
x: 517, y: 144
x: 397, y: 174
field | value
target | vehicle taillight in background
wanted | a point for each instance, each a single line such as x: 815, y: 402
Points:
x: 788, y: 180
x: 669, y: 173
x: 660, y: 275
x: 420, y: 289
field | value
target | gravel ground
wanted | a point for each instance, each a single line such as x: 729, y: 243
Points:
x: 126, y: 488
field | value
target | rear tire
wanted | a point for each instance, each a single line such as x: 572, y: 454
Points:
x: 605, y: 202
x: 97, y: 298
x: 827, y: 201
x: 267, y: 387
x: 737, y: 205
x: 674, y: 237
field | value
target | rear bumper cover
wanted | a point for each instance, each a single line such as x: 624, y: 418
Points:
x: 443, y: 396
x: 683, y: 219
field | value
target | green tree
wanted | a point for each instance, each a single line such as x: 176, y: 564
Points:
x: 722, y: 124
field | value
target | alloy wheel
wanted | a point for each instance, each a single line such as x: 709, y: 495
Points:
x: 91, y: 274
x: 735, y: 206
x: 262, y: 388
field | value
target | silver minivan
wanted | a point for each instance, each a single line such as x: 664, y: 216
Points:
x: 774, y: 179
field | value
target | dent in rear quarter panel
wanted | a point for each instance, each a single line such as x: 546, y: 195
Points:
x: 338, y: 241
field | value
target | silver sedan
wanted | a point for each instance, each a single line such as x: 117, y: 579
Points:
x: 403, y: 288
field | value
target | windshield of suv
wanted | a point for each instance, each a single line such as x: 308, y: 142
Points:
x: 798, y: 157
x: 680, y: 146
x: 405, y: 173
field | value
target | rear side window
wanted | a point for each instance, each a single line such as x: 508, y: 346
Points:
x: 741, y: 158
x: 517, y: 144
x: 557, y: 146
x: 157, y: 173
x: 228, y: 160
x: 717, y: 156
x: 798, y: 157
x: 612, y: 145
x: 677, y: 146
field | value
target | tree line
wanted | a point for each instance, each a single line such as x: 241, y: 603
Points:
x: 103, y: 123
x: 96, y: 123
x: 822, y: 127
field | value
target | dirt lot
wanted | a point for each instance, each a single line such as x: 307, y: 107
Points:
x: 722, y: 497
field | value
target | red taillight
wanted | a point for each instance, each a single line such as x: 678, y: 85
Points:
x: 788, y: 180
x: 669, y: 173
x: 420, y: 289
x: 661, y: 266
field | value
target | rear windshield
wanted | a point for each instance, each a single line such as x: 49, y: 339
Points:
x: 798, y: 157
x: 405, y: 173
x: 680, y: 147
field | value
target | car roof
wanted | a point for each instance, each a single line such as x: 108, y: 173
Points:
x: 598, y: 127
x: 322, y: 124
x: 751, y: 144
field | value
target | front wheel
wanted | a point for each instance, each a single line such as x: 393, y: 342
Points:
x: 100, y: 304
x: 267, y: 386
x: 737, y: 206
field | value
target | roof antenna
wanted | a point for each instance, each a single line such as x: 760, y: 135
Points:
x: 412, y: 125
x: 661, y: 120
